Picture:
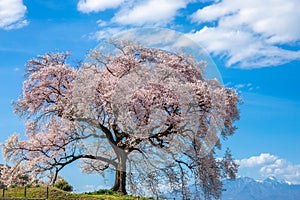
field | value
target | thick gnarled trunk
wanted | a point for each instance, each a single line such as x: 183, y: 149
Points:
x: 120, y: 177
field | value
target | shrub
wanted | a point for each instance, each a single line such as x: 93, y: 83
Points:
x: 63, y: 185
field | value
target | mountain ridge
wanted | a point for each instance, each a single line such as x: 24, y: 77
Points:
x: 245, y: 188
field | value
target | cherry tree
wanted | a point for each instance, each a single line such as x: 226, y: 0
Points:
x: 149, y: 115
x: 15, y: 176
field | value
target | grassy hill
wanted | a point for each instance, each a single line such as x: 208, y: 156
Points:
x: 57, y: 194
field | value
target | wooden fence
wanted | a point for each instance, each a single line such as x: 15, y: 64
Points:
x: 25, y: 195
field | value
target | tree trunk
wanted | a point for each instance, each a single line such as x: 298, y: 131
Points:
x: 54, y: 178
x: 120, y: 177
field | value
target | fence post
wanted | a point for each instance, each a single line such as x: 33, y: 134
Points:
x: 3, y: 192
x: 47, y: 193
x: 25, y: 191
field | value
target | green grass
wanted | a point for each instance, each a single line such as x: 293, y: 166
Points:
x: 57, y: 194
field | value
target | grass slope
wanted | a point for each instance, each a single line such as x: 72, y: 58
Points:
x: 57, y: 194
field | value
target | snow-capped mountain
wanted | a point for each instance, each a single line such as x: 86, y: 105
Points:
x: 270, y: 189
x: 245, y: 188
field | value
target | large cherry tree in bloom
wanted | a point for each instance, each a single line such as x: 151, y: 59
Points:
x: 149, y: 115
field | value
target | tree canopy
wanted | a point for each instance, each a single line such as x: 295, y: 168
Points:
x: 149, y: 115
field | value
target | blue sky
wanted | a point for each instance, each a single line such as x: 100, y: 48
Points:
x: 254, y: 43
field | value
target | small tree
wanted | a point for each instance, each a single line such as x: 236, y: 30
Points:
x: 147, y: 114
x: 63, y: 185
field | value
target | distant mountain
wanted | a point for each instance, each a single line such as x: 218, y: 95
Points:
x: 269, y: 189
x: 249, y: 189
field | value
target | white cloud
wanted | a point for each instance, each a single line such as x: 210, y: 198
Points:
x: 271, y: 165
x: 249, y: 32
x: 254, y: 161
x: 275, y: 20
x: 282, y: 169
x: 102, y: 23
x: 12, y: 14
x: 105, y: 33
x: 87, y: 6
x: 245, y: 33
x: 149, y: 12
x: 243, y: 87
